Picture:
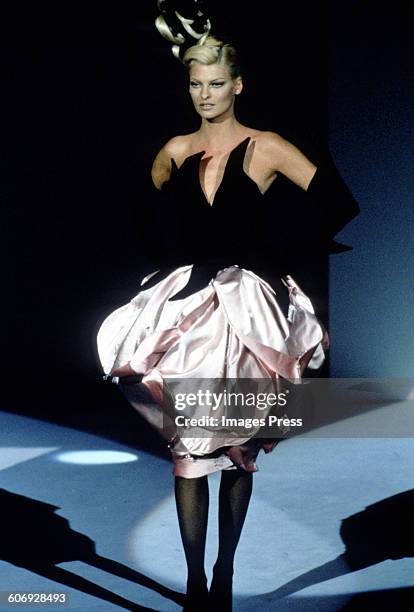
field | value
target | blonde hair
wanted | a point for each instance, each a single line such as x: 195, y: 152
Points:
x: 198, y: 21
x: 213, y: 51
x: 208, y: 49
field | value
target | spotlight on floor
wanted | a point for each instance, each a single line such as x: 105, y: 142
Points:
x: 96, y: 457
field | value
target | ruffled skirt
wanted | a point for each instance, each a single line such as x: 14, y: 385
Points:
x: 231, y: 329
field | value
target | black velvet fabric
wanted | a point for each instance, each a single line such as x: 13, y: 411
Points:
x: 273, y: 234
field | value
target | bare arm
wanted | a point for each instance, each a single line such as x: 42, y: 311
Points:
x: 282, y: 156
x: 161, y: 168
x: 333, y: 204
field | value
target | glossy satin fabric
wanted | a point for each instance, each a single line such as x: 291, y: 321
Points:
x: 233, y: 328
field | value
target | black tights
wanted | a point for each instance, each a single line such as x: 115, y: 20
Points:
x: 192, y: 500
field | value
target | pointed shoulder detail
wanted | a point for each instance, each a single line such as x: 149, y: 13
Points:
x: 168, y: 158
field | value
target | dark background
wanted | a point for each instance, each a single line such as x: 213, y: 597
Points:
x: 91, y: 92
x: 371, y: 129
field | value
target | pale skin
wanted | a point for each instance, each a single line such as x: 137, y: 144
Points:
x: 213, y: 92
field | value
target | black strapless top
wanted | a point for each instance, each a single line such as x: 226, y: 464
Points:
x: 271, y: 231
x: 225, y: 232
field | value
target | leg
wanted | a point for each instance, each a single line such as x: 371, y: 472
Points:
x: 192, y: 500
x: 234, y: 497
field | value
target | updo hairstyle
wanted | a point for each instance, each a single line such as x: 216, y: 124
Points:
x: 213, y: 51
x: 208, y: 49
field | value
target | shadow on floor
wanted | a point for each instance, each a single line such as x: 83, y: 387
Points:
x: 387, y: 599
x: 37, y: 539
x: 382, y: 531
x: 372, y: 601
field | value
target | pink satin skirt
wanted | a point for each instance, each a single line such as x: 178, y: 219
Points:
x: 233, y: 328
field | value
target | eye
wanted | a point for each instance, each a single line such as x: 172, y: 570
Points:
x: 218, y: 84
x: 194, y: 84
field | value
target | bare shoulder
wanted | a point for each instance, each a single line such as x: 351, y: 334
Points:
x: 176, y: 148
x: 271, y: 143
x: 279, y: 155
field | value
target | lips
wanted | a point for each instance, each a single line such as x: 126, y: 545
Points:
x: 206, y: 105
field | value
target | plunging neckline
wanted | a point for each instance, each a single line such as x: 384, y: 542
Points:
x: 199, y: 156
x: 201, y: 153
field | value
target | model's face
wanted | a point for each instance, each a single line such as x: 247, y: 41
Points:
x: 212, y: 90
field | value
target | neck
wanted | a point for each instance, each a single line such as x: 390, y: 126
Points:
x: 220, y: 135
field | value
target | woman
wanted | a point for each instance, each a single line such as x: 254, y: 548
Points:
x: 208, y: 315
